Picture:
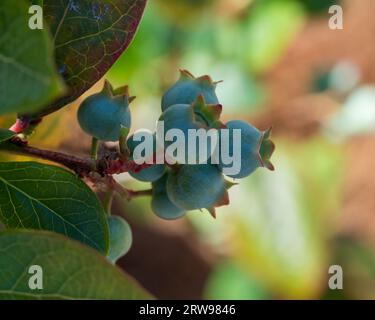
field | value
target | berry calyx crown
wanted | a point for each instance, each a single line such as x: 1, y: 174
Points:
x: 120, y: 94
x: 205, y: 80
x: 266, y: 149
x: 209, y: 113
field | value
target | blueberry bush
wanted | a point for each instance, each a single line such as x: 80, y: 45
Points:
x: 50, y: 213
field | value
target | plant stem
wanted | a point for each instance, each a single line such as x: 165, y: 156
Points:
x: 77, y: 164
x: 107, y: 201
x: 82, y: 166
x: 127, y: 193
x: 124, y: 132
x: 139, y: 193
x: 94, y: 148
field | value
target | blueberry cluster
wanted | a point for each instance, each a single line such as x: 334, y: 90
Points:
x: 192, y: 103
x: 179, y: 186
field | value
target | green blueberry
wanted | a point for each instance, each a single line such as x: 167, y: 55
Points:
x: 196, y: 186
x: 120, y: 238
x: 103, y: 114
x: 187, y: 89
x: 161, y: 204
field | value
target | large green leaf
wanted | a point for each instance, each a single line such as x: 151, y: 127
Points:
x: 70, y: 270
x: 39, y: 196
x: 28, y: 79
x: 89, y: 37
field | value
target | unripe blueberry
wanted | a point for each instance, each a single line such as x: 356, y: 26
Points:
x: 120, y: 238
x: 103, y: 114
x: 256, y: 149
x: 155, y: 171
x: 161, y: 204
x: 187, y: 89
x: 194, y: 117
x: 196, y: 186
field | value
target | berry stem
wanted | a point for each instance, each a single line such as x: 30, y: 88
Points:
x: 124, y: 132
x: 139, y: 193
x: 128, y: 194
x: 107, y: 201
x: 94, y: 148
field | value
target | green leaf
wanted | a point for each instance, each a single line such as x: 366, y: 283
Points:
x: 70, y: 270
x: 28, y: 79
x: 89, y: 37
x: 6, y: 134
x: 39, y: 196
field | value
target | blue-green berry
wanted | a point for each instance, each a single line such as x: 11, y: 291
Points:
x: 196, y: 186
x: 161, y: 204
x: 103, y: 114
x: 190, y: 118
x: 255, y: 149
x: 120, y: 238
x: 187, y: 89
x: 155, y: 171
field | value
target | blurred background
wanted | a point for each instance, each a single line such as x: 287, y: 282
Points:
x: 283, y: 67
